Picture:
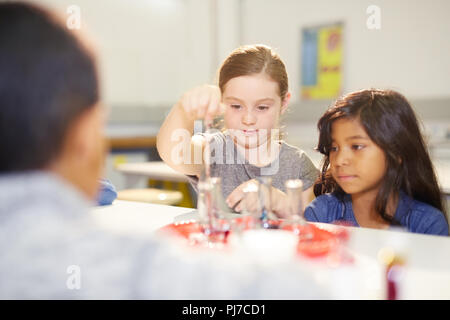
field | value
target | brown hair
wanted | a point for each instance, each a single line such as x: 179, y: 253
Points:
x: 254, y: 59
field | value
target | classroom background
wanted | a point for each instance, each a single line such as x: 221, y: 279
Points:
x: 151, y: 51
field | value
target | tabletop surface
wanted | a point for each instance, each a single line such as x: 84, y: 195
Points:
x: 161, y: 171
x: 428, y: 257
x: 152, y: 169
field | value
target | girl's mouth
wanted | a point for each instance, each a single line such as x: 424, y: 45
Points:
x: 250, y: 132
x: 345, y: 178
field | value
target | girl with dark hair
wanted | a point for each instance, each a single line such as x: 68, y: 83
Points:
x: 376, y: 169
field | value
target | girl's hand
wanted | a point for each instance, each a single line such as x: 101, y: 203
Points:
x: 203, y: 102
x: 278, y: 197
x: 234, y: 199
x: 279, y: 203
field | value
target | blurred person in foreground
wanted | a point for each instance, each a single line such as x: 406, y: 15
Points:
x: 51, y: 123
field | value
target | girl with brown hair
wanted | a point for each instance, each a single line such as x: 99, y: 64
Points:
x: 252, y: 94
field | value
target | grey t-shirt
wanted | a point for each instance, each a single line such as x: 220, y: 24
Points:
x: 228, y: 164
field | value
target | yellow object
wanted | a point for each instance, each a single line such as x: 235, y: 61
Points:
x: 183, y: 187
x: 119, y: 159
x: 329, y: 64
x: 187, y: 201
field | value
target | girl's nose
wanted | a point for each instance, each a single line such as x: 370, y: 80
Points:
x: 341, y: 158
x: 248, y: 118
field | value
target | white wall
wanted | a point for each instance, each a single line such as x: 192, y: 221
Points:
x: 409, y: 53
x: 153, y: 50
x: 150, y: 51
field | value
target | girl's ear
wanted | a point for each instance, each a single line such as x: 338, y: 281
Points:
x: 285, y: 102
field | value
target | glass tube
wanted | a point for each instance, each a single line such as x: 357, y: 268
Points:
x: 268, y: 218
x: 294, y: 202
x: 212, y: 210
x: 251, y: 205
x: 294, y: 209
x: 204, y: 205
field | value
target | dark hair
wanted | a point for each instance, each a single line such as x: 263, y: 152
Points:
x: 391, y: 123
x: 47, y: 79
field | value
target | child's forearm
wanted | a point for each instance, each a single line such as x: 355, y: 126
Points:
x: 176, y: 132
x: 278, y: 202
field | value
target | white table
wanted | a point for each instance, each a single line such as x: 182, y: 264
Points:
x: 157, y: 170
x: 427, y: 275
x: 136, y: 217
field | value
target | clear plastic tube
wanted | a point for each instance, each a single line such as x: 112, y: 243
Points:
x: 294, y: 202
x: 268, y: 218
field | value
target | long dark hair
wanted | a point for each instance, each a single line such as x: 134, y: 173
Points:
x: 391, y: 123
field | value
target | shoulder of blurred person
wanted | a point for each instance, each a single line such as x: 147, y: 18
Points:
x: 51, y: 125
x: 53, y: 247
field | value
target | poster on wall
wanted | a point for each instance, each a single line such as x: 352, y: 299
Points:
x: 321, y: 63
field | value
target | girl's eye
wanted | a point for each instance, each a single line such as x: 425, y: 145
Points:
x: 357, y: 146
x: 235, y: 106
x: 333, y: 149
x: 262, y: 108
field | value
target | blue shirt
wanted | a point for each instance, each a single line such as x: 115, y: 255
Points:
x: 107, y: 193
x: 414, y: 215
